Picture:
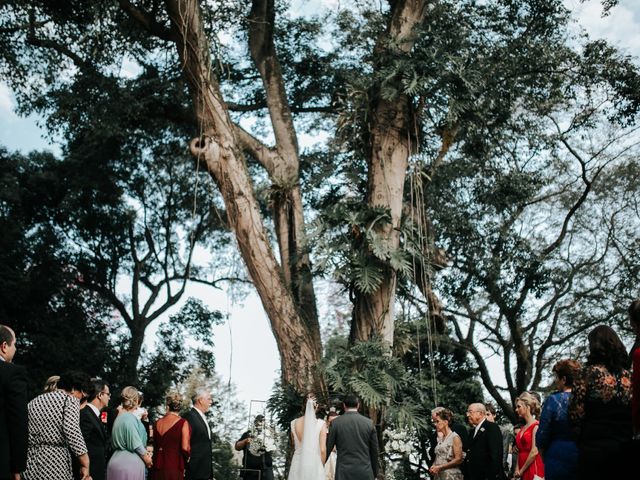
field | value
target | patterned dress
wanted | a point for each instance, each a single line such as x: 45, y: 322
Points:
x: 54, y: 435
x: 444, y: 454
x: 600, y: 412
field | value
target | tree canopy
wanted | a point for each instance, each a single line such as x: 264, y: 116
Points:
x: 474, y: 161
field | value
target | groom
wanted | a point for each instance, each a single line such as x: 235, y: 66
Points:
x: 356, y: 441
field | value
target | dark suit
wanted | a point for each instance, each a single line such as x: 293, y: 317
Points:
x: 13, y: 419
x: 357, y: 446
x: 200, y: 466
x: 483, y: 460
x: 95, y: 436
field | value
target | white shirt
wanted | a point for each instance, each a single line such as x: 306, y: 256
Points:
x: 204, y: 419
x: 94, y: 408
x: 478, y: 428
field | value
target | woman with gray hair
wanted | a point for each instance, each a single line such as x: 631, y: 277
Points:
x: 129, y: 441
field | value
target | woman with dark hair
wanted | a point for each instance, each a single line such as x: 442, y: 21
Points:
x: 54, y: 431
x: 309, y: 437
x: 554, y: 438
x: 600, y: 408
x: 172, y: 442
x: 634, y: 318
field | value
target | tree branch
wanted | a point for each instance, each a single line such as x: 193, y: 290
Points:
x: 147, y: 21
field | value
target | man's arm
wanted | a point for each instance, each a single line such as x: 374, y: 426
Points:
x: 494, y: 437
x: 245, y: 440
x: 373, y: 449
x: 16, y: 411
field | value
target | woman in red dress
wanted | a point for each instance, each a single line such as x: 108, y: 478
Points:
x: 172, y: 442
x: 529, y: 460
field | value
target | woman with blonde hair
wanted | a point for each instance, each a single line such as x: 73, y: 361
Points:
x: 129, y: 441
x: 172, y: 441
x: 529, y: 460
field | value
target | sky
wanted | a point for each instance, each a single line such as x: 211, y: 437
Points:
x: 245, y: 348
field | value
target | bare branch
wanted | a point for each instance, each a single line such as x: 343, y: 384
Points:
x: 265, y: 155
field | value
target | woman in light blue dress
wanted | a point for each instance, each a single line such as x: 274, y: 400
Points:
x: 129, y: 441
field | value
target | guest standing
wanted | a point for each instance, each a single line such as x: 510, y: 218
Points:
x: 172, y: 442
x: 634, y: 317
x: 93, y: 430
x: 600, y: 408
x: 200, y: 466
x: 483, y: 460
x: 529, y: 461
x: 129, y: 441
x: 54, y: 431
x: 457, y: 427
x: 554, y: 438
x: 448, y: 451
x: 507, y: 439
x: 13, y: 409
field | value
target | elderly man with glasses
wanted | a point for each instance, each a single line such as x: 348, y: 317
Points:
x: 483, y: 460
x: 93, y: 429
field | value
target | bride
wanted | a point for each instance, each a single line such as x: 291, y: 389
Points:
x: 309, y: 436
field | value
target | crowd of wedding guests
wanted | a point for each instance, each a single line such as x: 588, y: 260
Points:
x: 71, y: 431
x: 588, y: 429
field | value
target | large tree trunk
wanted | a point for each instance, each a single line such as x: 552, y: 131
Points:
x: 392, y: 140
x: 219, y: 148
x: 284, y: 168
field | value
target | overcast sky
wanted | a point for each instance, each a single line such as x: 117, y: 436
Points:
x: 245, y: 348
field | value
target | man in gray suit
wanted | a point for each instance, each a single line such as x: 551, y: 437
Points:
x: 356, y: 441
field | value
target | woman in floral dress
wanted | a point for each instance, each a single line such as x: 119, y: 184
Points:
x: 448, y: 459
x: 600, y: 408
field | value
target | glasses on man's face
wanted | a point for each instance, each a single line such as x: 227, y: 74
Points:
x: 108, y: 394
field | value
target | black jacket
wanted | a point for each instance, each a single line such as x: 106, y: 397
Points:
x: 483, y: 460
x: 95, y: 436
x: 200, y: 466
x: 13, y: 419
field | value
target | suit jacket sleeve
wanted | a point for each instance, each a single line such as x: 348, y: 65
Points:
x: 85, y: 424
x: 494, y: 437
x: 16, y: 411
x: 373, y: 450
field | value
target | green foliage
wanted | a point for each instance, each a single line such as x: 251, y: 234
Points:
x: 57, y: 323
x: 171, y: 363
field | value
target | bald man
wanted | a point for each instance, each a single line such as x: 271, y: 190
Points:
x: 483, y: 460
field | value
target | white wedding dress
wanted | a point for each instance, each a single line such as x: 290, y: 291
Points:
x: 306, y: 463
